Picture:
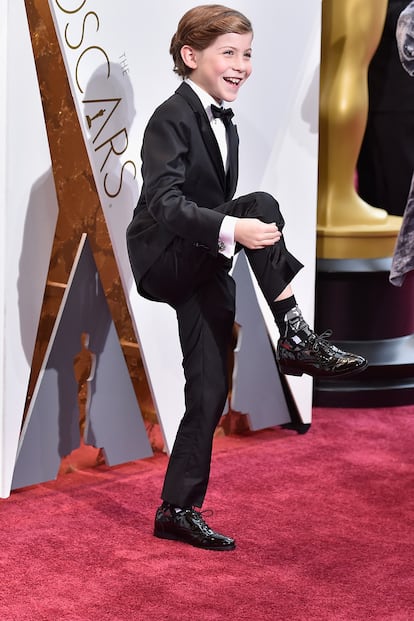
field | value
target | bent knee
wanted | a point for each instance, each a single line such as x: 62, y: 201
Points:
x: 269, y: 207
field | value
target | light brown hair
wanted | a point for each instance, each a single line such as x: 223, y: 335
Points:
x: 200, y: 26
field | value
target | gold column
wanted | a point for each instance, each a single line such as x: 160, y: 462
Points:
x: 347, y: 226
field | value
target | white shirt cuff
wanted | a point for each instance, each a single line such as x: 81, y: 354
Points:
x: 227, y: 244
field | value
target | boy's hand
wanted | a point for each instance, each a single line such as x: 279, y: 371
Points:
x: 255, y: 234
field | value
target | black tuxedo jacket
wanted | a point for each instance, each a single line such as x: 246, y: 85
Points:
x: 183, y: 181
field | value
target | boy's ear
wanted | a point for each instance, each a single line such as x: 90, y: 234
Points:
x: 188, y: 54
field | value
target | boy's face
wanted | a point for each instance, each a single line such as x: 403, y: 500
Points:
x: 223, y: 67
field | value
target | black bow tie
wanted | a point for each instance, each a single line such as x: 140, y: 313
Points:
x: 225, y: 114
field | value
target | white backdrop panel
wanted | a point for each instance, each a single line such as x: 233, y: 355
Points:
x: 119, y: 51
x: 28, y: 217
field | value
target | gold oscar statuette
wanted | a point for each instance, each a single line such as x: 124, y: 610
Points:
x: 348, y: 227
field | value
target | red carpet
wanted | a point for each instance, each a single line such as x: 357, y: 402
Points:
x: 323, y: 523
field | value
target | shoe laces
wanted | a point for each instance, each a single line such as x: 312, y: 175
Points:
x: 198, y: 517
x: 319, y: 343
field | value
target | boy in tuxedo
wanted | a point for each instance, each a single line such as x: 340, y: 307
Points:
x: 186, y: 229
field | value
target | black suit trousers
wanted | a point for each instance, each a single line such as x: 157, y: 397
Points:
x: 197, y: 284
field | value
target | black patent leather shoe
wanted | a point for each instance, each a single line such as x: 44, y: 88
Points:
x: 316, y: 357
x: 188, y: 526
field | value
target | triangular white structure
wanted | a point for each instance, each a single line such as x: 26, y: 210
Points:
x: 115, y: 423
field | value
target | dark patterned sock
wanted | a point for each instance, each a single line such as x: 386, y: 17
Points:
x: 296, y: 330
x: 280, y: 310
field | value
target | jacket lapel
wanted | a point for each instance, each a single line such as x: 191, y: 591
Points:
x: 233, y: 171
x: 207, y: 133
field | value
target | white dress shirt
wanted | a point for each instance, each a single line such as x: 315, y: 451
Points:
x: 226, y: 233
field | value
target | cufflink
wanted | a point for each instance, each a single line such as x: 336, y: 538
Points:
x: 221, y: 245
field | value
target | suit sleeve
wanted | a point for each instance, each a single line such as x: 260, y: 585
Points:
x: 169, y: 170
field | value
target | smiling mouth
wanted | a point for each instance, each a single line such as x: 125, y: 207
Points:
x: 233, y: 81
